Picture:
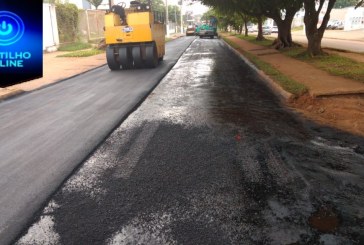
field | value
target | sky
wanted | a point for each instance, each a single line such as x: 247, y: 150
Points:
x: 196, y: 7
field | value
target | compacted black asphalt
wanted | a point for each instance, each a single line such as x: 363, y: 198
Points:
x: 45, y: 134
x: 211, y: 157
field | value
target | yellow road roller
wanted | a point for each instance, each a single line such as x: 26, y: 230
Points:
x: 135, y: 36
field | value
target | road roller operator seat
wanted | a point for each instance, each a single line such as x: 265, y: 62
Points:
x: 119, y: 10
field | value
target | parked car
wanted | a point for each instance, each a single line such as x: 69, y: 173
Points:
x: 338, y: 25
x: 335, y: 25
x: 190, y: 30
x: 267, y: 30
x: 252, y: 28
x: 275, y: 29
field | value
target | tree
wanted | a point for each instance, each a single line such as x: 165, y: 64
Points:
x: 225, y: 19
x: 345, y: 3
x: 314, y: 34
x: 282, y: 12
x: 360, y: 3
x: 95, y: 3
x: 67, y: 19
x: 157, y: 5
x: 174, y: 14
x: 247, y: 7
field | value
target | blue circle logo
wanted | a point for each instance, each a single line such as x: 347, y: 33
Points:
x: 11, y: 28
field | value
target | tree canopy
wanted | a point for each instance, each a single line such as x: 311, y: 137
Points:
x: 157, y: 5
x: 95, y: 3
x: 283, y: 12
x: 345, y: 3
x: 174, y: 14
x: 360, y: 3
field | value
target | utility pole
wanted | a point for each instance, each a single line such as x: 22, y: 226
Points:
x: 175, y: 20
x: 111, y: 3
x: 181, y: 17
x: 167, y: 21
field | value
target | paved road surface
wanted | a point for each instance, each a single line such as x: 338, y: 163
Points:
x: 335, y: 43
x: 211, y: 157
x: 45, y: 134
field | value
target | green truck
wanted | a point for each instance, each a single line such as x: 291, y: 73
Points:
x: 208, y: 29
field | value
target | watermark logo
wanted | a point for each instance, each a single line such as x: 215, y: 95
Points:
x: 127, y: 29
x: 11, y: 28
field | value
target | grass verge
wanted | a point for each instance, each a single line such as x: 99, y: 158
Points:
x: 252, y: 39
x: 74, y: 46
x: 82, y: 53
x: 285, y: 82
x: 332, y: 63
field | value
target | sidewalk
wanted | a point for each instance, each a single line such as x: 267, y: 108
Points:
x: 55, y: 69
x: 58, y: 68
x: 319, y: 82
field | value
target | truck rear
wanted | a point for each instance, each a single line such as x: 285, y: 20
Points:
x: 209, y: 29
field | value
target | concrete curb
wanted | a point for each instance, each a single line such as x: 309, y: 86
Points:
x: 282, y: 94
x: 7, y: 93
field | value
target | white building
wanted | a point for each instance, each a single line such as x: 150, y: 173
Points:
x: 354, y: 19
x: 50, y: 28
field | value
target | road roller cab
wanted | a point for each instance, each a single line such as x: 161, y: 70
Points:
x: 135, y: 36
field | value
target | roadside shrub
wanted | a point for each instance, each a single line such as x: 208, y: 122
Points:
x: 67, y: 20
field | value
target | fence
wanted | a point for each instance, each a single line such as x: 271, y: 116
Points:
x: 91, y: 24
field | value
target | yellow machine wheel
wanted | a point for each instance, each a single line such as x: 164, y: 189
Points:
x: 125, y: 58
x: 137, y: 57
x: 111, y: 59
x: 151, y: 56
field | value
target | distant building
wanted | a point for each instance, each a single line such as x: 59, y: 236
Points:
x: 354, y: 19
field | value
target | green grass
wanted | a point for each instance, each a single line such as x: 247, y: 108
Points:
x: 285, y: 82
x: 74, y: 46
x: 82, y: 53
x: 298, y: 28
x: 332, y: 63
x: 231, y: 43
x: 266, y: 42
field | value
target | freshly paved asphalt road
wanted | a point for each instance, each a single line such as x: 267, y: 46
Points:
x: 46, y: 134
x: 211, y: 157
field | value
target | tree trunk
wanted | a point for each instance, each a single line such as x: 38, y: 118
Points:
x: 246, y: 28
x: 284, y: 25
x: 314, y: 35
x: 260, y: 36
x: 284, y: 39
x: 314, y: 44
